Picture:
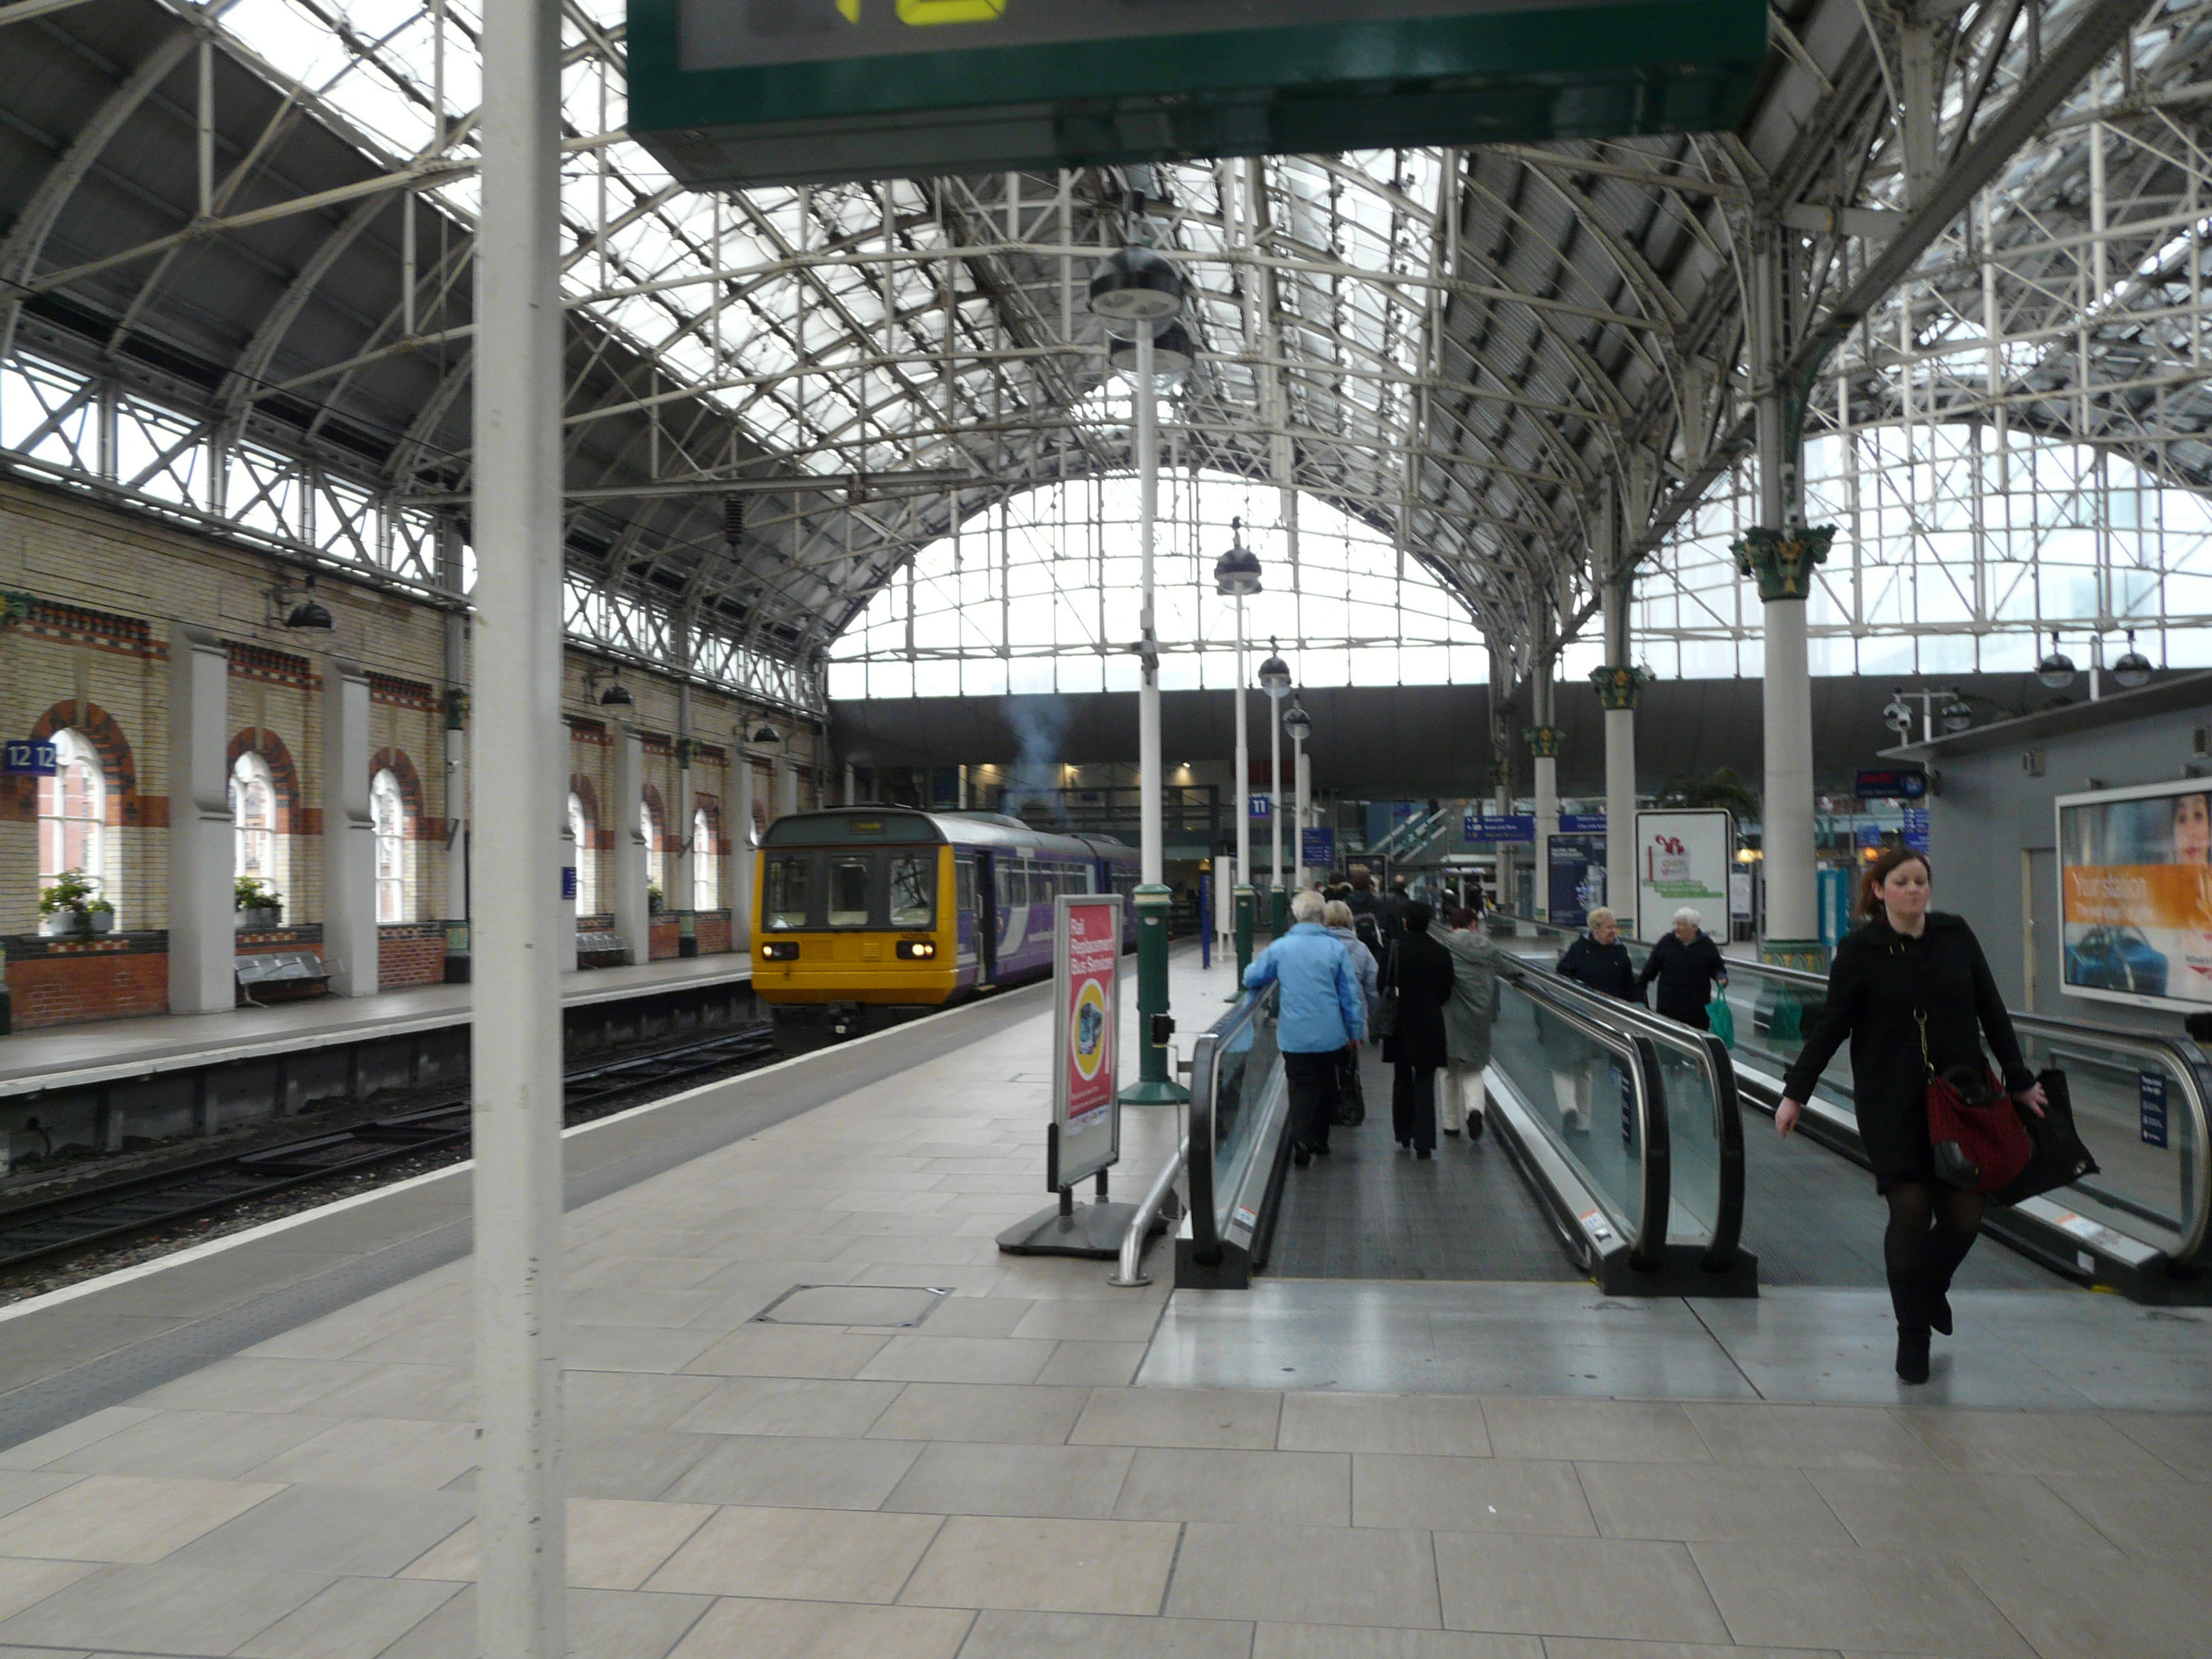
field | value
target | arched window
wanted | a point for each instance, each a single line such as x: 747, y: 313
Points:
x: 73, y: 816
x: 387, y: 808
x: 587, y: 866
x: 253, y: 821
x: 656, y: 861
x: 706, y: 863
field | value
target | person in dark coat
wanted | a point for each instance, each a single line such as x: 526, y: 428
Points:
x: 1909, y: 970
x: 1420, y: 969
x: 1687, y: 965
x: 1598, y: 960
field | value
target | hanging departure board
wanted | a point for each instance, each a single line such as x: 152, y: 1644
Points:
x: 743, y: 92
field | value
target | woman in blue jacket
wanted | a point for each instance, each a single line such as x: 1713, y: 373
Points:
x: 1318, y: 1014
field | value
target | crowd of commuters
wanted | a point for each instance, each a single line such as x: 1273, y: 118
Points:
x: 1349, y: 956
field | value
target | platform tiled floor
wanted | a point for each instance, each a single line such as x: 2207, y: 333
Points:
x: 992, y: 1485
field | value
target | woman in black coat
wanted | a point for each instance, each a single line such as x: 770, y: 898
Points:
x: 1908, y: 965
x: 1687, y: 965
x: 1598, y: 960
x: 1421, y: 969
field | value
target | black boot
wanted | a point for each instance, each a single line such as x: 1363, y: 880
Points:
x: 1945, y: 1253
x: 1907, y: 1297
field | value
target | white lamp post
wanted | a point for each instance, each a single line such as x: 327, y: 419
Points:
x: 1275, y: 680
x: 1238, y: 574
x: 1299, y: 725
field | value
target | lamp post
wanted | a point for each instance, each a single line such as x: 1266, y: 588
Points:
x: 1275, y: 680
x: 1141, y: 291
x: 1299, y: 725
x: 1238, y: 575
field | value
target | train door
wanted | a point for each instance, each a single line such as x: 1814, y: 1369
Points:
x: 979, y: 875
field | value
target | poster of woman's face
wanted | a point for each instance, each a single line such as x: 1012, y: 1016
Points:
x: 2192, y: 828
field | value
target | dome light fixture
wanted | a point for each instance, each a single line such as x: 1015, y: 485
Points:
x: 2056, y: 670
x: 1955, y: 715
x: 311, y: 613
x: 1298, y: 723
x: 1172, y: 353
x: 2133, y: 670
x: 1237, y: 573
x: 767, y: 738
x: 1136, y: 285
x: 617, y: 696
x: 1897, y: 715
x: 1274, y: 673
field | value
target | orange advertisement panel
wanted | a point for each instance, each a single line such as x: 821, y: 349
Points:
x: 2136, y: 894
x: 1086, y: 1133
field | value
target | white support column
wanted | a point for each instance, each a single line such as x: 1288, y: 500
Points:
x: 633, y: 914
x: 740, y: 816
x: 1302, y: 785
x: 1620, y: 885
x: 851, y: 785
x: 454, y: 906
x: 1243, y: 798
x: 787, y: 785
x: 1547, y: 788
x: 203, y: 845
x: 349, y: 934
x: 1786, y: 814
x: 1152, y: 795
x: 682, y: 809
x: 518, y: 390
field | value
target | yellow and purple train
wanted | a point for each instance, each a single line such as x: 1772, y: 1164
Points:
x: 864, y: 914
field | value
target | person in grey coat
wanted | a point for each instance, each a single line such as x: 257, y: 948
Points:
x: 1467, y: 1016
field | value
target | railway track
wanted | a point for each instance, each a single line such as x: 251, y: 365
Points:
x: 109, y: 1213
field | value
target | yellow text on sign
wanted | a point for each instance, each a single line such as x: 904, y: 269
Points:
x: 920, y: 13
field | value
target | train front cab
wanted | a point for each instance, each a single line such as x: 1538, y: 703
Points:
x: 854, y: 912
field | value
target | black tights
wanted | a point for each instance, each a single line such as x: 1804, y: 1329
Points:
x: 1931, y: 1228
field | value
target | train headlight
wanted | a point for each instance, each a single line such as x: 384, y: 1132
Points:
x: 916, y: 950
x: 780, y: 949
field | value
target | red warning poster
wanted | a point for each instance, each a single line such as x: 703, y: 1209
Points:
x: 1087, y: 977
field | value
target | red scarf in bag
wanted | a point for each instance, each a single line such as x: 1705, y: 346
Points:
x: 1980, y: 1144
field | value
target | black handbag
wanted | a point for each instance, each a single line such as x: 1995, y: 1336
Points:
x: 1384, y: 1024
x: 2059, y: 1158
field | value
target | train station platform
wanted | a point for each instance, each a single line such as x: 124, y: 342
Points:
x: 67, y: 1055
x: 813, y: 1412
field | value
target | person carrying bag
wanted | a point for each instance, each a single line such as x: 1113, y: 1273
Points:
x: 1912, y: 991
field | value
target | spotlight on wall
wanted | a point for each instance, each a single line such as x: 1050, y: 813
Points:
x: 767, y: 738
x: 1897, y: 715
x: 2133, y: 670
x: 2057, y: 670
x: 1955, y: 715
x: 311, y: 613
x: 617, y: 696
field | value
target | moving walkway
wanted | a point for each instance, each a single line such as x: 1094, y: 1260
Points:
x: 1627, y: 1130
x: 2139, y: 1226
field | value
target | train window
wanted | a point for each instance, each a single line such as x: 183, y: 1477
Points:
x: 1082, y: 881
x: 913, y: 891
x: 784, y: 905
x: 848, y: 893
x: 964, y: 876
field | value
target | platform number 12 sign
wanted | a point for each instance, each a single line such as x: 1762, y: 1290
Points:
x: 31, y: 757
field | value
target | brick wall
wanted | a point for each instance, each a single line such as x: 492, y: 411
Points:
x: 714, y: 929
x: 74, y: 983
x: 411, y: 954
x: 664, y: 936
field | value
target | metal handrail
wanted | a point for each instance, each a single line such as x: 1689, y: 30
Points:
x: 1710, y: 1055
x: 1589, y: 1015
x: 1199, y: 1144
x: 1137, y: 1234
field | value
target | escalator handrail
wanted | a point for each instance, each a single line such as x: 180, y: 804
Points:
x: 1205, y: 1076
x: 1648, y: 1239
x: 2179, y: 1056
x: 1710, y: 1055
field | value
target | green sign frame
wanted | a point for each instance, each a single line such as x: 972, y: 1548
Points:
x: 1611, y: 68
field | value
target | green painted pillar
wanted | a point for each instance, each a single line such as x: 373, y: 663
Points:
x: 1153, y: 1086
x: 1279, y: 910
x: 1244, y: 936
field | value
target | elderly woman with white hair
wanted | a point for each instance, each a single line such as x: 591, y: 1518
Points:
x: 1686, y: 964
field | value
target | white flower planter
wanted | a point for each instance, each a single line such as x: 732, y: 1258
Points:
x: 261, y: 919
x: 63, y: 924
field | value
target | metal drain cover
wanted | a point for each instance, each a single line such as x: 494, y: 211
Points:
x: 886, y: 1306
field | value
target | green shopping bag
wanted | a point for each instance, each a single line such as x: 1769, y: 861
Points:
x: 1723, y: 1021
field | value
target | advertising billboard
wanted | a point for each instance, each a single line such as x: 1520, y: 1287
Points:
x: 2135, y: 874
x: 1086, y: 1115
x: 1577, y: 877
x: 1682, y: 858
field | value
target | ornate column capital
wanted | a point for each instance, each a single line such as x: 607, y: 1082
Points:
x: 1544, y: 741
x: 1621, y: 686
x: 1782, y: 561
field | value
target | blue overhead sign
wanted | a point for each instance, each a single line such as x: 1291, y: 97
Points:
x: 1261, y: 806
x: 32, y: 757
x: 1484, y: 830
x: 1581, y: 823
x: 1915, y: 828
x: 1317, y: 848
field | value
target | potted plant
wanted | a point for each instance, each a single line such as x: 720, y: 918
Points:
x: 102, y: 915
x: 65, y: 908
x: 654, y: 898
x: 259, y: 905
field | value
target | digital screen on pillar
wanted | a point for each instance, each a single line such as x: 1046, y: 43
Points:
x: 2135, y: 898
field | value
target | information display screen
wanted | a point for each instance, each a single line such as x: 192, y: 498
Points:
x: 2135, y: 873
